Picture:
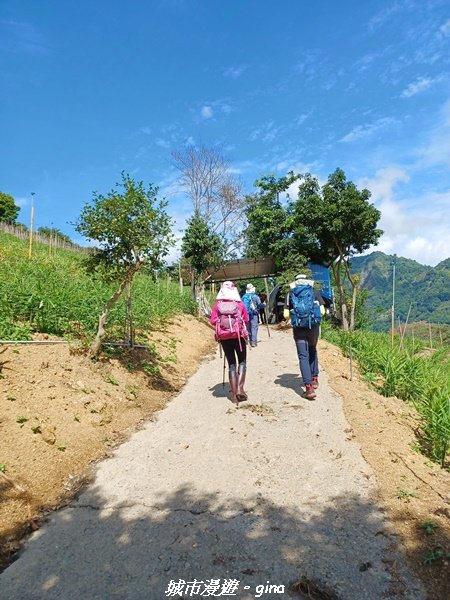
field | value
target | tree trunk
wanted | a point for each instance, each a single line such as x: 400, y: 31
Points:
x: 354, y: 285
x: 193, y: 287
x: 352, y: 313
x: 342, y: 299
x: 103, y: 318
x: 204, y: 309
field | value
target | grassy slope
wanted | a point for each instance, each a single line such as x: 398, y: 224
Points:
x: 53, y: 294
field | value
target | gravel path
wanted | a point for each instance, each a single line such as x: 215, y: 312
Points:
x: 263, y: 495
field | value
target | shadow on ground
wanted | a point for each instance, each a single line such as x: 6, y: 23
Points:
x: 291, y: 381
x: 220, y: 391
x: 136, y: 551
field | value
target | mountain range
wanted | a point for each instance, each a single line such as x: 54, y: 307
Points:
x: 426, y: 289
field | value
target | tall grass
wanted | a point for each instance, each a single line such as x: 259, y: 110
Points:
x: 411, y: 373
x: 54, y: 295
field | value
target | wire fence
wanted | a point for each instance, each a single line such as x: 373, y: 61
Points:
x: 53, y: 240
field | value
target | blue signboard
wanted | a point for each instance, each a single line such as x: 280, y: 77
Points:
x: 321, y: 274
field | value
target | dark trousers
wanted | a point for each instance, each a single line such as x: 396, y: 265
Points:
x: 232, y: 351
x: 306, y: 343
x: 252, y: 328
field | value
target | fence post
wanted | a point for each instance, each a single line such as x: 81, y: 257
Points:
x: 180, y: 278
x: 31, y: 226
x: 404, y: 327
x: 351, y: 361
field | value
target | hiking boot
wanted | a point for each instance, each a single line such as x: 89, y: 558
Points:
x: 233, y: 378
x: 315, y: 382
x: 309, y: 392
x: 241, y: 394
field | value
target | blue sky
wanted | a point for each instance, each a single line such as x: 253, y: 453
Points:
x: 91, y: 88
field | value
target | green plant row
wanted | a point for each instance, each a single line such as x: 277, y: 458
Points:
x: 54, y: 295
x: 410, y: 372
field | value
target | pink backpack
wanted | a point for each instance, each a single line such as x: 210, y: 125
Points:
x: 229, y: 324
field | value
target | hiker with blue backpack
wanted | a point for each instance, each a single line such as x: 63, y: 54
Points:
x: 304, y: 306
x: 229, y: 318
x: 252, y: 303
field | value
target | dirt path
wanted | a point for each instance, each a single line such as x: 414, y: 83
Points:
x: 265, y: 495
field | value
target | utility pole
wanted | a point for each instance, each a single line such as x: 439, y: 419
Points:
x: 394, y: 258
x: 180, y: 278
x: 31, y: 225
x: 50, y: 240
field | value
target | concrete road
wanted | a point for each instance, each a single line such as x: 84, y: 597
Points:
x: 212, y: 501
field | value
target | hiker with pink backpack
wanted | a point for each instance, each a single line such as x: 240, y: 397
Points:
x: 229, y: 318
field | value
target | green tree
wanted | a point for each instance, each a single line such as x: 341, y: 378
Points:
x: 271, y: 229
x: 339, y: 222
x: 8, y: 208
x: 54, y: 232
x: 132, y: 229
x: 203, y: 248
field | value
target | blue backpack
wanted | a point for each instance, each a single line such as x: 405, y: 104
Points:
x: 250, y: 304
x: 305, y: 309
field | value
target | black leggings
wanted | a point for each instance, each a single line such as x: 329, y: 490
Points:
x: 232, y: 350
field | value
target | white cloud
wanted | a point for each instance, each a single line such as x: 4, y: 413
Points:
x: 211, y: 108
x: 382, y: 16
x: 147, y: 130
x: 235, y: 72
x: 362, y: 131
x: 265, y: 133
x: 437, y: 150
x: 311, y: 66
x: 301, y: 119
x: 163, y: 143
x: 429, y: 252
x: 23, y: 37
x: 421, y: 84
x: 206, y: 112
x: 415, y: 228
x: 366, y: 61
x: 22, y: 202
x: 225, y: 108
x: 382, y: 185
x: 445, y: 28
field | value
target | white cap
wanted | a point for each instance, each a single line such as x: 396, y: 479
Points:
x: 301, y: 279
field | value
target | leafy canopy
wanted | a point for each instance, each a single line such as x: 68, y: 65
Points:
x: 270, y: 229
x: 339, y: 217
x: 203, y: 247
x: 54, y: 232
x: 339, y: 221
x: 8, y: 208
x: 131, y: 227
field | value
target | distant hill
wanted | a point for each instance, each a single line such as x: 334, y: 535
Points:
x: 426, y: 288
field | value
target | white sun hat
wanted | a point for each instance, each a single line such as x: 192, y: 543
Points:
x: 228, y: 291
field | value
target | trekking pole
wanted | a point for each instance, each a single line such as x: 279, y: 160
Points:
x: 222, y: 354
x: 267, y: 321
x: 224, y: 367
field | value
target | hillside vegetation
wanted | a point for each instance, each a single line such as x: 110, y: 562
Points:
x: 409, y: 371
x: 51, y: 293
x: 427, y: 289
